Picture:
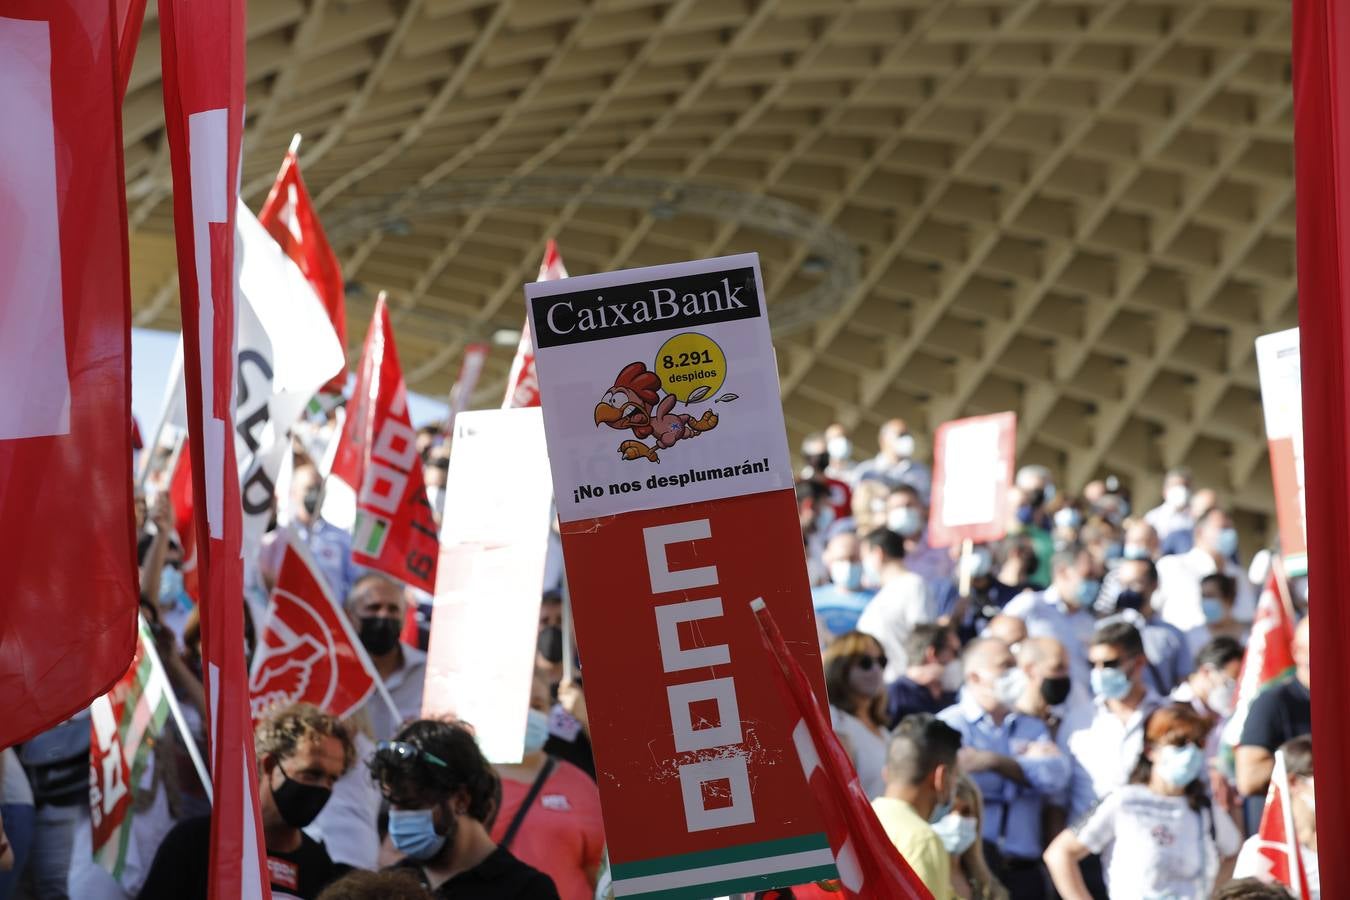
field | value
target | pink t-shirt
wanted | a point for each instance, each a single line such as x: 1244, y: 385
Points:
x: 562, y: 835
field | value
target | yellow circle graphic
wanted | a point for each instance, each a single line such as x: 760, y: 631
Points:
x: 691, y: 366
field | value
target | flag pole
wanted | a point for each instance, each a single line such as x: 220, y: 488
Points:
x: 189, y: 743
x: 295, y: 143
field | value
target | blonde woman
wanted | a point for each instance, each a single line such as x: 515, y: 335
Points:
x: 960, y: 832
x: 854, y: 663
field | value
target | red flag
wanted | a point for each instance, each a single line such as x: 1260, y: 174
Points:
x: 202, y: 61
x: 67, y: 533
x: 289, y: 216
x: 462, y: 390
x: 307, y: 652
x: 522, y: 385
x: 180, y: 498
x: 1281, y: 857
x: 868, y: 863
x: 395, y: 531
x: 1321, y: 82
x: 1269, y: 657
x: 130, y: 16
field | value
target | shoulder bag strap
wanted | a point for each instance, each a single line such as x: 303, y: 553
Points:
x: 547, y: 770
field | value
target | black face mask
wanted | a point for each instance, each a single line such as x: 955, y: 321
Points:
x: 1055, y: 690
x: 311, y: 501
x: 1129, y: 599
x: 298, y: 803
x: 550, y: 643
x: 379, y: 634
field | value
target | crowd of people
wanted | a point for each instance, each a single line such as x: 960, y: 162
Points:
x: 1035, y: 718
x: 1043, y: 716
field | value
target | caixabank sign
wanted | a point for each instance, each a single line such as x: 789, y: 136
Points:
x: 674, y: 491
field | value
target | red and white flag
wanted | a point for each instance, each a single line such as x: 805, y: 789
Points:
x: 1280, y: 857
x: 202, y: 61
x: 307, y: 651
x: 522, y: 385
x: 395, y: 531
x: 1268, y: 660
x: 289, y: 216
x: 461, y: 392
x: 67, y: 535
x: 868, y: 863
x: 184, y: 521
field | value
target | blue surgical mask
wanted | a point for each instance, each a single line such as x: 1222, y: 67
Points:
x: 413, y: 832
x: 1178, y: 766
x: 1214, y: 609
x: 1227, y: 542
x: 1111, y: 684
x: 536, y: 731
x: 1088, y: 591
x: 846, y: 575
x: 171, y: 590
x: 1115, y: 550
x: 1136, y: 551
x: 905, y: 520
x: 957, y: 833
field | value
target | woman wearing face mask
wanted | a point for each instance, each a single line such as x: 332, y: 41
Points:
x: 1159, y: 833
x: 550, y: 810
x: 960, y: 831
x: 854, y: 663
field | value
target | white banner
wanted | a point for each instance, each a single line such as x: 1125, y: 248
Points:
x: 489, y: 579
x: 641, y: 371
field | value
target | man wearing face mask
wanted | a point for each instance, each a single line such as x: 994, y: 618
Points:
x: 1104, y: 738
x: 840, y: 449
x: 1167, y: 649
x: 1174, y: 513
x: 902, y: 602
x: 894, y: 463
x: 1032, y: 493
x: 550, y: 810
x: 921, y: 773
x: 441, y: 792
x: 1179, y: 577
x: 907, y: 516
x: 1063, y: 611
x: 839, y: 603
x: 986, y: 599
x: 1012, y: 760
x: 840, y: 495
x: 1048, y: 684
x: 330, y: 546
x: 301, y: 752
x: 377, y: 606
x: 933, y: 677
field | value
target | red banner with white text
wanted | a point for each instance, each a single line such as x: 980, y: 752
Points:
x: 377, y: 458
x: 67, y: 543
x: 202, y: 60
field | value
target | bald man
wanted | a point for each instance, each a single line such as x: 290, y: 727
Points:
x: 1046, y: 664
x: 1276, y: 715
x: 1008, y: 629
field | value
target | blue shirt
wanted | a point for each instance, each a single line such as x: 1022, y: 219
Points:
x: 1012, y: 811
x: 837, y: 610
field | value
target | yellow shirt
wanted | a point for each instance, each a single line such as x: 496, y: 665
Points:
x: 917, y: 843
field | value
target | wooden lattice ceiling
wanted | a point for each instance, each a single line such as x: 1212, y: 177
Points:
x: 1083, y: 211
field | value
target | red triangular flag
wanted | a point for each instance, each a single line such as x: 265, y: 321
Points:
x: 1269, y: 657
x: 869, y: 865
x: 307, y: 651
x: 1282, y: 858
x: 395, y: 531
x: 522, y: 385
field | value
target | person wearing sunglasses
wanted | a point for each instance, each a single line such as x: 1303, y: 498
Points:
x: 1163, y: 835
x: 302, y: 752
x: 854, y: 663
x: 443, y: 796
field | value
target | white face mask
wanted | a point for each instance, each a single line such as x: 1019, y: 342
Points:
x: 905, y: 520
x: 839, y: 448
x: 1177, y: 496
x: 1222, y: 699
x: 1309, y: 799
x: 846, y: 575
x: 903, y: 446
x: 1010, y: 687
x: 952, y: 676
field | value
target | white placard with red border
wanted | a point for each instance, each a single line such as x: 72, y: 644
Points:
x: 674, y: 490
x: 972, y: 472
x: 1278, y: 367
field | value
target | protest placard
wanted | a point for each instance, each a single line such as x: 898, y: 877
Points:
x: 674, y: 489
x: 1277, y: 364
x: 972, y: 471
x: 485, y: 621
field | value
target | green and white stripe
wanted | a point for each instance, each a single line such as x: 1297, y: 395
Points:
x: 145, y: 710
x: 727, y: 870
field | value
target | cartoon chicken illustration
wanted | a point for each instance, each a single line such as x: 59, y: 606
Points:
x: 635, y: 403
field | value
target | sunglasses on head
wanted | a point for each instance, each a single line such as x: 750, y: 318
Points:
x: 402, y: 751
x: 865, y: 662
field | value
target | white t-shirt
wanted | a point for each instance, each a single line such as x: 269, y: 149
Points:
x: 902, y: 603
x: 866, y: 748
x: 1159, y: 846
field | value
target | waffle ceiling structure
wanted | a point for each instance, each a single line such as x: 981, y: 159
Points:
x: 1081, y: 211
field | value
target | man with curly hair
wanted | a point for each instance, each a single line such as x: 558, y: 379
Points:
x: 302, y: 751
